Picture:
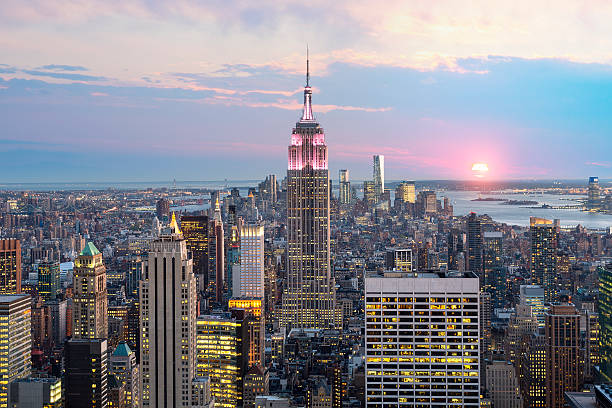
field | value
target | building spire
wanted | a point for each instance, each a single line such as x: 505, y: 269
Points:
x: 307, y: 113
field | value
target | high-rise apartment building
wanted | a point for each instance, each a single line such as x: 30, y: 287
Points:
x: 605, y: 321
x: 563, y: 353
x: 406, y: 192
x: 309, y: 299
x: 90, y: 300
x: 48, y: 280
x: 123, y: 366
x: 168, y: 305
x: 475, y: 248
x: 533, y: 371
x: 15, y: 342
x: 345, y: 187
x: 163, y: 209
x: 86, y: 377
x: 195, y: 231
x: 221, y: 356
x: 379, y: 175
x: 250, y: 282
x: 10, y: 266
x: 544, y: 238
x: 422, y: 340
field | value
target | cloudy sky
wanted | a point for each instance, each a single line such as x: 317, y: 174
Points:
x: 137, y: 90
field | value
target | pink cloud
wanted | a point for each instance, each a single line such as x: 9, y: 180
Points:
x: 599, y: 164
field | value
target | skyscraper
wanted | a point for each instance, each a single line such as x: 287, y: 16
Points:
x: 605, y: 321
x: 10, y: 266
x: 252, y: 309
x: 163, y: 209
x: 563, y: 353
x: 123, y: 365
x: 250, y: 281
x: 494, y: 275
x: 533, y: 296
x: 48, y: 280
x: 594, y: 194
x: 15, y: 341
x: 216, y: 254
x: 90, y: 301
x: 309, y: 300
x: 421, y: 342
x: 544, y: 237
x: 379, y: 175
x: 167, y: 322
x: 474, y: 250
x: 86, y: 375
x: 195, y: 231
x: 406, y: 192
x: 345, y: 187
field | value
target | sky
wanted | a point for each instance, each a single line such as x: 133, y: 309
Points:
x: 154, y: 90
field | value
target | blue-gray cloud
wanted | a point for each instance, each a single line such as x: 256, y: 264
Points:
x: 64, y: 75
x: 56, y: 67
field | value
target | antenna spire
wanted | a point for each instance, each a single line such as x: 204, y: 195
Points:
x: 307, y: 67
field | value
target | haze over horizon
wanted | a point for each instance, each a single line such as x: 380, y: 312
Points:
x: 147, y: 91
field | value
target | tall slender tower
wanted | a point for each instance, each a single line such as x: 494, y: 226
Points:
x: 544, y: 238
x: 90, y: 315
x: 379, y: 175
x: 167, y: 322
x: 309, y: 300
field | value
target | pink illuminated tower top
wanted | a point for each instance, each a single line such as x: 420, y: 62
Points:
x: 307, y: 149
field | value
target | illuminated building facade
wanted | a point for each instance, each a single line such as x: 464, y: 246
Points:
x: 345, y: 187
x: 123, y: 365
x: 167, y: 322
x: 563, y: 352
x: 369, y: 193
x: 216, y: 254
x: 252, y: 309
x: 309, y: 300
x: 86, y: 377
x: 250, y: 282
x: 195, y: 231
x: 592, y: 357
x: 221, y: 356
x: 544, y: 238
x: 533, y: 296
x: 406, y: 191
x: 422, y: 340
x: 133, y: 275
x: 533, y: 371
x: 15, y: 341
x: 10, y: 266
x: 399, y: 259
x: 378, y: 173
x: 48, y: 280
x: 605, y: 321
x: 256, y: 382
x: 90, y: 300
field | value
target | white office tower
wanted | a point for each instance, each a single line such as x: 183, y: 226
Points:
x: 250, y: 282
x: 345, y: 187
x: 379, y: 175
x: 422, y: 342
x: 168, y: 322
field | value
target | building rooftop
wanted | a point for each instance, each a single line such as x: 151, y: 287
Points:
x: 422, y: 274
x: 122, y: 350
x: 89, y: 250
x: 12, y: 298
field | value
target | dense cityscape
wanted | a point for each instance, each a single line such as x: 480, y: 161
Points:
x: 294, y: 293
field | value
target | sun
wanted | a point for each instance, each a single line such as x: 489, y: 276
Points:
x: 480, y: 169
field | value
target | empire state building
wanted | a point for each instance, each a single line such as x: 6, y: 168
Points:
x: 309, y: 299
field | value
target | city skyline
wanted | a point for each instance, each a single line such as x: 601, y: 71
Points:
x: 105, y: 113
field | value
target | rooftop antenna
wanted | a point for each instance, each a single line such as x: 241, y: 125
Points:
x: 307, y: 67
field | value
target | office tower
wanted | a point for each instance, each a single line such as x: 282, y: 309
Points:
x: 58, y: 312
x: 457, y: 245
x: 250, y: 282
x: 86, y: 377
x: 278, y: 348
x: 232, y: 256
x: 252, y: 310
x: 41, y: 326
x: 379, y: 174
x: 195, y: 231
x: 533, y: 296
x: 399, y: 259
x: 503, y: 386
x: 216, y: 254
x: 256, y: 382
x: 221, y: 356
x: 426, y: 203
x: 590, y: 345
x: 532, y: 371
x: 89, y: 314
x: 522, y: 324
x: 474, y: 249
x: 123, y: 366
x: 10, y: 266
x: 15, y: 341
x: 486, y: 311
x: 163, y: 210
x: 268, y: 189
x: 168, y: 305
x: 544, y: 237
x: 430, y: 319
x: 369, y: 193
x: 43, y: 392
x: 406, y: 192
x: 493, y: 274
x: 133, y: 275
x: 605, y: 321
x: 563, y: 352
x: 116, y: 392
x: 594, y: 194
x: 345, y: 187
x: 309, y: 299
x: 48, y: 280
x: 201, y: 396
